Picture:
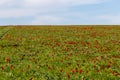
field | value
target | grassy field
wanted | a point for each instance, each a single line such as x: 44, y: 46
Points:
x: 60, y: 53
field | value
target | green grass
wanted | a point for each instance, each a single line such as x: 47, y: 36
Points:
x: 60, y: 53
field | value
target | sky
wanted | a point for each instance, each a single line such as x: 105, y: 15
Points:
x: 59, y: 12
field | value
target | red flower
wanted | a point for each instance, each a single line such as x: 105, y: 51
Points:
x: 108, y: 66
x: 2, y: 68
x: 80, y: 71
x: 68, y: 75
x: 76, y: 69
x: 11, y: 67
x: 87, y: 72
x: 73, y: 71
x: 28, y: 66
x: 7, y: 59
x: 31, y: 79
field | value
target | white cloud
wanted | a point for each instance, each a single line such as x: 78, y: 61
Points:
x: 60, y: 2
x: 36, y: 9
x: 22, y: 8
x: 44, y: 4
x: 112, y: 19
x: 4, y: 2
x: 17, y: 13
x: 48, y: 3
x: 58, y: 19
x: 47, y: 19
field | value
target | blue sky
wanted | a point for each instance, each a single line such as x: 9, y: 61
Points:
x: 59, y: 12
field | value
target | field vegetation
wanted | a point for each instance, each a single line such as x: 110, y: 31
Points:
x: 60, y: 53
